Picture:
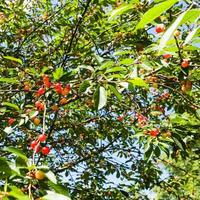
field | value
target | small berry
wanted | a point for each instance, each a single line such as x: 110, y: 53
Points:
x: 177, y: 33
x: 185, y: 63
x: 66, y: 90
x: 120, y: 118
x: 154, y: 132
x: 39, y: 105
x: 42, y: 137
x: 46, y: 81
x: 11, y: 121
x: 160, y: 28
x: 58, y: 88
x: 55, y: 108
x: 36, y: 121
x: 63, y: 101
x: 167, y: 56
x: 37, y: 149
x: 40, y: 92
x: 45, y: 150
x: 34, y: 144
x: 26, y: 88
x: 39, y: 175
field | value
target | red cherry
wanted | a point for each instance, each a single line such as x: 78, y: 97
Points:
x: 154, y: 132
x: 26, y: 88
x: 33, y: 144
x: 160, y: 28
x: 37, y: 149
x: 11, y: 121
x: 45, y: 150
x: 39, y: 105
x: 120, y: 118
x: 66, y: 90
x: 185, y: 63
x: 42, y: 137
x: 40, y: 92
x: 167, y: 56
x: 46, y: 81
x: 58, y: 88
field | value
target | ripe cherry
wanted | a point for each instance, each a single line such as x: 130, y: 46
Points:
x: 160, y: 28
x: 154, y: 132
x: 26, y: 88
x: 58, y: 88
x: 11, y: 121
x: 167, y: 56
x: 185, y: 63
x: 36, y: 121
x: 37, y: 148
x: 39, y: 105
x: 66, y: 90
x: 42, y: 137
x: 120, y: 118
x: 45, y: 150
x: 33, y: 144
x: 46, y: 81
x: 40, y: 91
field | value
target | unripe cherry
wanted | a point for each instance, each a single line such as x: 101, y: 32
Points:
x: 36, y: 121
x: 63, y: 101
x: 39, y: 175
x: 177, y: 33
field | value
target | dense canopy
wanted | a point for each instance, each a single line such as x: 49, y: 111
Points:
x: 99, y: 99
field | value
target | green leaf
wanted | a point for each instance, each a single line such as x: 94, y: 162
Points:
x: 100, y: 97
x: 4, y: 166
x: 155, y: 12
x: 119, y: 11
x: 50, y: 175
x: 13, y: 59
x: 58, y: 73
x: 191, y: 35
x: 12, y: 105
x: 127, y: 61
x: 9, y: 80
x: 17, y: 193
x: 106, y: 65
x: 148, y: 154
x: 138, y: 82
x: 16, y: 152
x: 52, y: 196
x: 115, y: 69
x: 83, y: 87
x: 157, y: 151
x: 115, y: 91
x: 60, y: 189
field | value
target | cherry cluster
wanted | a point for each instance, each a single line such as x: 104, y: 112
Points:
x: 35, y: 145
x: 161, y: 28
